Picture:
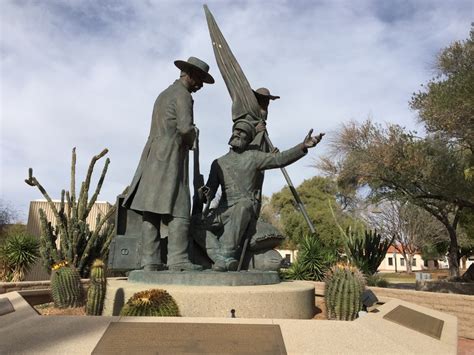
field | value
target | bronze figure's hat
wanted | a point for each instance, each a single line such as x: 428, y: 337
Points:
x: 198, y: 65
x: 264, y: 93
x: 246, y: 126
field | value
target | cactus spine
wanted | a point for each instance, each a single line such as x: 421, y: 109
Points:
x: 343, y: 290
x: 154, y: 303
x: 97, y: 288
x: 66, y: 287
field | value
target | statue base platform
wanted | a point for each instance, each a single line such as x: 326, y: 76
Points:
x: 205, y: 278
x: 285, y: 300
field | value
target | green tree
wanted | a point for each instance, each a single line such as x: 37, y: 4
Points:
x: 8, y: 216
x: 396, y: 165
x: 319, y: 196
x: 446, y: 103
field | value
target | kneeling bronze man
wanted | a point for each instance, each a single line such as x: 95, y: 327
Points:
x: 237, y: 174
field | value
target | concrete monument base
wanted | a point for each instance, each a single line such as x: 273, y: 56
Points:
x: 286, y: 300
x: 205, y: 278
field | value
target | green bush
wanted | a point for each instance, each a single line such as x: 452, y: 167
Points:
x: 366, y: 251
x: 17, y: 255
x: 377, y: 281
x: 312, y: 262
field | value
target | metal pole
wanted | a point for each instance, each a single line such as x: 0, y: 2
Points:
x: 297, y: 198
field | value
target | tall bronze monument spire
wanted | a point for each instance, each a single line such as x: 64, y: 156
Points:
x: 243, y: 98
x: 244, y: 101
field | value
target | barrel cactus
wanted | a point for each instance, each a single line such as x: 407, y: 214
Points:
x: 343, y: 290
x: 66, y: 288
x: 151, y: 303
x: 97, y: 288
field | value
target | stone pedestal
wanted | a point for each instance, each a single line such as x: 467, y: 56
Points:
x: 205, y: 278
x: 285, y: 300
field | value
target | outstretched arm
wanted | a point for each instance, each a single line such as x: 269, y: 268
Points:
x: 267, y: 161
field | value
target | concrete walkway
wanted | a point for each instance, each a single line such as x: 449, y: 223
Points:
x: 24, y: 331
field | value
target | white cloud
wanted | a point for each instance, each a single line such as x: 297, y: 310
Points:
x: 86, y: 74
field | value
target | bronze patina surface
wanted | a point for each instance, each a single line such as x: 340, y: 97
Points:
x: 417, y: 321
x: 190, y: 338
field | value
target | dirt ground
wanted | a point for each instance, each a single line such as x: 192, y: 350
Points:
x: 48, y: 309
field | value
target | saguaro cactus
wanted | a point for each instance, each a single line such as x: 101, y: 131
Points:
x: 66, y: 287
x: 155, y: 302
x: 343, y: 290
x: 77, y: 243
x: 97, y: 289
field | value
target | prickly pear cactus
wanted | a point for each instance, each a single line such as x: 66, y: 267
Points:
x: 97, y: 289
x: 66, y: 288
x: 155, y: 302
x: 343, y: 290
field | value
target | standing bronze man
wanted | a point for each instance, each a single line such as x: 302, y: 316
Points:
x: 160, y: 186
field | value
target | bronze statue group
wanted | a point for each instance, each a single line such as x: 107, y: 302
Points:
x: 230, y: 236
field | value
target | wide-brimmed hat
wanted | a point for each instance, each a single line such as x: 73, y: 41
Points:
x: 197, y: 65
x: 265, y: 93
x: 245, y: 126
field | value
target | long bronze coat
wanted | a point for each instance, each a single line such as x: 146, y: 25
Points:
x: 161, y: 181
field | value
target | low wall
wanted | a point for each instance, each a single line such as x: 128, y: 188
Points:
x: 461, y: 306
x: 444, y: 286
x: 30, y: 285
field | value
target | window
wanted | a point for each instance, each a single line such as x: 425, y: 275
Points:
x: 390, y: 261
x: 425, y: 263
x: 402, y: 261
x: 288, y: 257
x: 413, y: 262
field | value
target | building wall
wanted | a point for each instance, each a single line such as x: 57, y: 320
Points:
x: 392, y: 259
x: 288, y: 252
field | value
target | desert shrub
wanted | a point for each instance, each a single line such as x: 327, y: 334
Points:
x: 17, y: 255
x: 312, y: 262
x: 376, y: 280
x: 366, y: 251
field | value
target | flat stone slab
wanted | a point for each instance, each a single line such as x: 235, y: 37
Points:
x: 205, y: 278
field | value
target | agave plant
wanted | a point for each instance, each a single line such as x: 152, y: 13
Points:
x: 19, y: 253
x: 312, y: 262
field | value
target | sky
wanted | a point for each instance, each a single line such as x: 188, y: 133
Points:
x: 86, y: 73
